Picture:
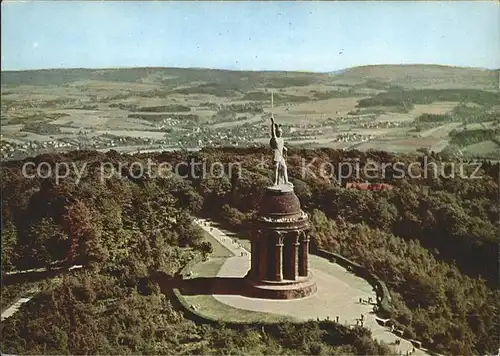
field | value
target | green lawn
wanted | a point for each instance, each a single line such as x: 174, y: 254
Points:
x: 208, y: 268
x: 484, y: 147
x: 210, y: 308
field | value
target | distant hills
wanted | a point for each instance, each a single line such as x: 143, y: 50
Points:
x: 423, y: 76
x: 166, y: 77
x: 408, y: 76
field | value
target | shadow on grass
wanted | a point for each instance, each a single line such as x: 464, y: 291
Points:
x: 212, y: 285
x: 203, y: 285
x: 30, y: 277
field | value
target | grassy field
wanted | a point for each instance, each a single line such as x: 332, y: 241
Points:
x: 481, y: 148
x: 141, y: 103
x: 432, y: 108
x: 398, y: 145
x: 423, y: 76
x: 210, y: 307
x: 206, y: 305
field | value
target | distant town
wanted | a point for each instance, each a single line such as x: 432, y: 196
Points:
x: 190, y: 138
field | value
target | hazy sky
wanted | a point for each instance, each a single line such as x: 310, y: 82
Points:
x: 313, y: 36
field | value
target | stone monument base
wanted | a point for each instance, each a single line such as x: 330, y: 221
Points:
x: 280, y: 248
x: 283, y: 188
x: 285, y: 289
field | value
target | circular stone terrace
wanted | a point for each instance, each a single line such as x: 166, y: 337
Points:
x: 338, y: 292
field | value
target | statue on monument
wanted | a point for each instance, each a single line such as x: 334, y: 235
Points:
x: 279, y: 154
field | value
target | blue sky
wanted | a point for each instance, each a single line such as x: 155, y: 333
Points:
x: 312, y: 36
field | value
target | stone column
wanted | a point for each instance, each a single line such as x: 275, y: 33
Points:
x: 295, y: 255
x: 279, y: 256
x: 305, y: 255
x: 263, y: 256
x: 254, y: 270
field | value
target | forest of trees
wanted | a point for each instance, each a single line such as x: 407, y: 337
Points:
x: 433, y: 118
x: 41, y: 128
x: 462, y: 112
x: 407, y: 98
x: 471, y: 114
x: 129, y: 234
x: 165, y: 108
x: 465, y: 138
x: 435, y: 249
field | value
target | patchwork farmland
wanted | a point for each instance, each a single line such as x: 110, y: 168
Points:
x: 364, y: 108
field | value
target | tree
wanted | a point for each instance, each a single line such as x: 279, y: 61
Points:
x: 303, y: 192
x: 46, y: 240
x: 206, y: 248
x: 83, y: 229
x: 232, y: 215
x: 10, y: 250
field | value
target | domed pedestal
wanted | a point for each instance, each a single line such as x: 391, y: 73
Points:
x: 280, y: 248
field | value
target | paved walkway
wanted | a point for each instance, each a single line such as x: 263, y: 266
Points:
x: 7, y: 313
x: 230, y: 243
x: 338, y: 294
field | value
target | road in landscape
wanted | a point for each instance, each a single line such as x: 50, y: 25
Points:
x: 440, y: 131
x: 7, y: 313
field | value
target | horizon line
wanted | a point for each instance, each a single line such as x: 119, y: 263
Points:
x: 251, y: 70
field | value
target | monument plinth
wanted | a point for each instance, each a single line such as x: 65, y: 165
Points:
x: 280, y: 247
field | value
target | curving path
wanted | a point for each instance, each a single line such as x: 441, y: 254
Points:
x: 338, y: 294
x: 7, y: 313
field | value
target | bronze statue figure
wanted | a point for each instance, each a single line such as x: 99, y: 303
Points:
x: 279, y: 154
